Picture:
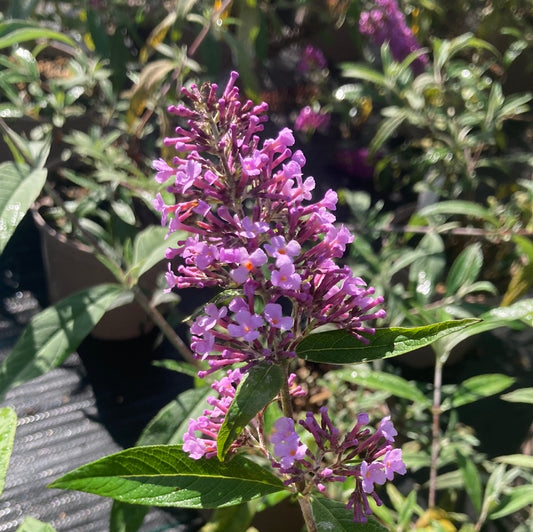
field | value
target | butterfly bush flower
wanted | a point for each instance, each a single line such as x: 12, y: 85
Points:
x: 255, y: 234
x: 368, y: 458
x: 310, y: 120
x: 253, y: 225
x: 386, y: 23
x: 312, y: 59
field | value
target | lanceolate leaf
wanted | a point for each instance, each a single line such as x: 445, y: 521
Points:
x: 20, y: 188
x: 497, y: 317
x: 518, y: 498
x: 471, y: 480
x: 164, y: 475
x: 520, y: 460
x: 17, y: 31
x: 259, y: 386
x: 341, y: 347
x: 332, y: 515
x: 465, y: 269
x: 171, y: 422
x: 8, y: 425
x: 378, y: 380
x: 522, y: 395
x: 478, y: 387
x: 53, y: 334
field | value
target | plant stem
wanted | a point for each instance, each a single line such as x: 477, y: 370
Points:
x: 165, y: 328
x: 286, y: 404
x: 435, y: 435
x: 303, y: 500
x: 307, y: 512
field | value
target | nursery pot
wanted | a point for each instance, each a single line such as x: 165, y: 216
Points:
x: 71, y: 266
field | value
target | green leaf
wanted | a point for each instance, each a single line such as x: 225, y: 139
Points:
x: 172, y: 421
x: 126, y: 517
x: 471, y: 479
x: 164, y: 475
x: 33, y: 525
x: 426, y: 271
x: 498, y: 317
x: 378, y: 380
x: 257, y: 388
x: 465, y: 269
x: 458, y: 207
x: 149, y: 248
x: 342, y: 347
x: 519, y: 460
x: 17, y: 31
x: 478, y: 387
x: 358, y: 71
x: 516, y: 499
x: 332, y: 515
x: 406, y: 512
x: 179, y: 367
x: 20, y: 188
x: 523, y: 395
x: 53, y: 334
x: 8, y: 426
x: 387, y: 128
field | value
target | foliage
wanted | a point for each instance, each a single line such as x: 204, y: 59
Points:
x: 83, y: 98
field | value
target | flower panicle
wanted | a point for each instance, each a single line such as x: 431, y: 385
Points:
x: 386, y: 23
x: 369, y: 458
x: 253, y: 227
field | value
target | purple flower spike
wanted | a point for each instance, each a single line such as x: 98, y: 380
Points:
x: 386, y: 23
x: 256, y: 236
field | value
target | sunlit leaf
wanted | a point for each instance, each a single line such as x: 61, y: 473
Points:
x: 257, y: 388
x: 477, y: 388
x: 465, y: 269
x: 56, y: 332
x: 149, y: 249
x: 457, y: 207
x: 332, y: 515
x: 516, y: 499
x: 364, y: 72
x: 521, y: 311
x: 164, y: 475
x: 17, y: 31
x: 378, y: 380
x: 523, y: 395
x: 20, y: 188
x: 33, y: 525
x: 341, y: 347
x: 8, y: 426
x: 519, y: 460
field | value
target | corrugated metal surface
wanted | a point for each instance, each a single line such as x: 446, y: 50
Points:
x: 95, y: 404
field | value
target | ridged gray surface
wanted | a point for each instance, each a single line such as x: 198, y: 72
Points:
x: 58, y: 430
x: 93, y: 405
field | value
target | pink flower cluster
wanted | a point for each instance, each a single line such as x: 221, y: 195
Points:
x: 255, y: 234
x: 386, y: 23
x: 309, y: 120
x: 368, y: 458
x: 210, y: 422
x: 312, y: 59
x: 254, y: 229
